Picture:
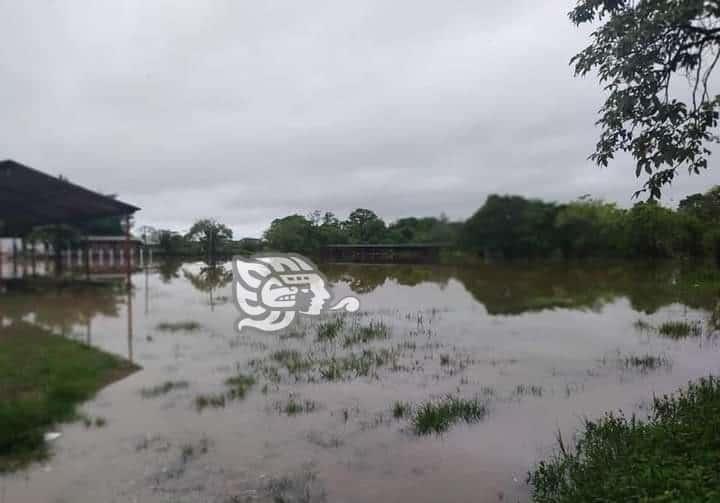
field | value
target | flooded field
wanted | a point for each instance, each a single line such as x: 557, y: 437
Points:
x: 336, y: 409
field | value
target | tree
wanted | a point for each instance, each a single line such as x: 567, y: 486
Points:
x: 511, y: 226
x: 652, y: 230
x: 638, y: 52
x: 589, y: 227
x: 364, y: 226
x: 293, y: 233
x: 211, y: 235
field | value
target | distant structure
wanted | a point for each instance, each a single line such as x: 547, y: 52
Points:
x: 31, y: 199
x: 383, y: 253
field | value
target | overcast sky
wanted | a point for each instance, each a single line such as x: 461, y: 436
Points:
x: 249, y: 110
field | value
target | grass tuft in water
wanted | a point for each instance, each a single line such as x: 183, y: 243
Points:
x: 329, y: 330
x: 292, y: 359
x: 528, y: 389
x: 163, y: 389
x: 239, y: 385
x: 213, y: 400
x: 680, y: 329
x: 363, y: 334
x: 646, y: 362
x: 438, y: 416
x: 401, y: 409
x: 673, y: 456
x: 178, y: 326
x: 294, y: 407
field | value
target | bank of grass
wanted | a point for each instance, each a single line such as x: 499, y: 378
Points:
x: 43, y: 378
x: 672, y: 456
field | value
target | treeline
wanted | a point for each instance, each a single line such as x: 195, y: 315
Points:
x: 307, y: 234
x: 513, y: 227
x: 505, y: 227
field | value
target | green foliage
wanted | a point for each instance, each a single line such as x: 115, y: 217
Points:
x: 639, y: 52
x: 42, y: 379
x: 588, y: 228
x: 364, y: 226
x: 293, y: 233
x: 680, y: 329
x: 211, y: 235
x: 511, y: 226
x: 673, y: 456
x: 239, y: 385
x: 438, y: 416
x: 296, y: 233
x: 329, y: 330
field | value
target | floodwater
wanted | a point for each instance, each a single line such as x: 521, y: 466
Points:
x: 543, y: 346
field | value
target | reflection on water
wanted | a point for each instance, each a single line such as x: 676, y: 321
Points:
x: 543, y: 344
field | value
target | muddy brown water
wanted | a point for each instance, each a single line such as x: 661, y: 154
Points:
x: 542, y: 345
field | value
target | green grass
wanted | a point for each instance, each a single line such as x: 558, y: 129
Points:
x: 178, y: 326
x: 680, y: 329
x: 294, y: 407
x: 329, y: 330
x: 163, y: 389
x: 356, y: 364
x: 42, y: 379
x: 439, y: 415
x: 213, y: 400
x: 673, y: 456
x: 366, y: 333
x: 292, y: 359
x: 239, y: 385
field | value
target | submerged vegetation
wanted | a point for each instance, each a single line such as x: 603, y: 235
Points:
x: 646, y: 362
x: 680, y: 329
x: 673, y: 456
x: 329, y: 330
x: 362, y: 334
x: 44, y: 378
x: 163, y: 389
x: 293, y: 406
x: 238, y: 386
x: 439, y: 415
x: 178, y: 326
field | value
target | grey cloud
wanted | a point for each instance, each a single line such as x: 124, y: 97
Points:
x: 247, y: 111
